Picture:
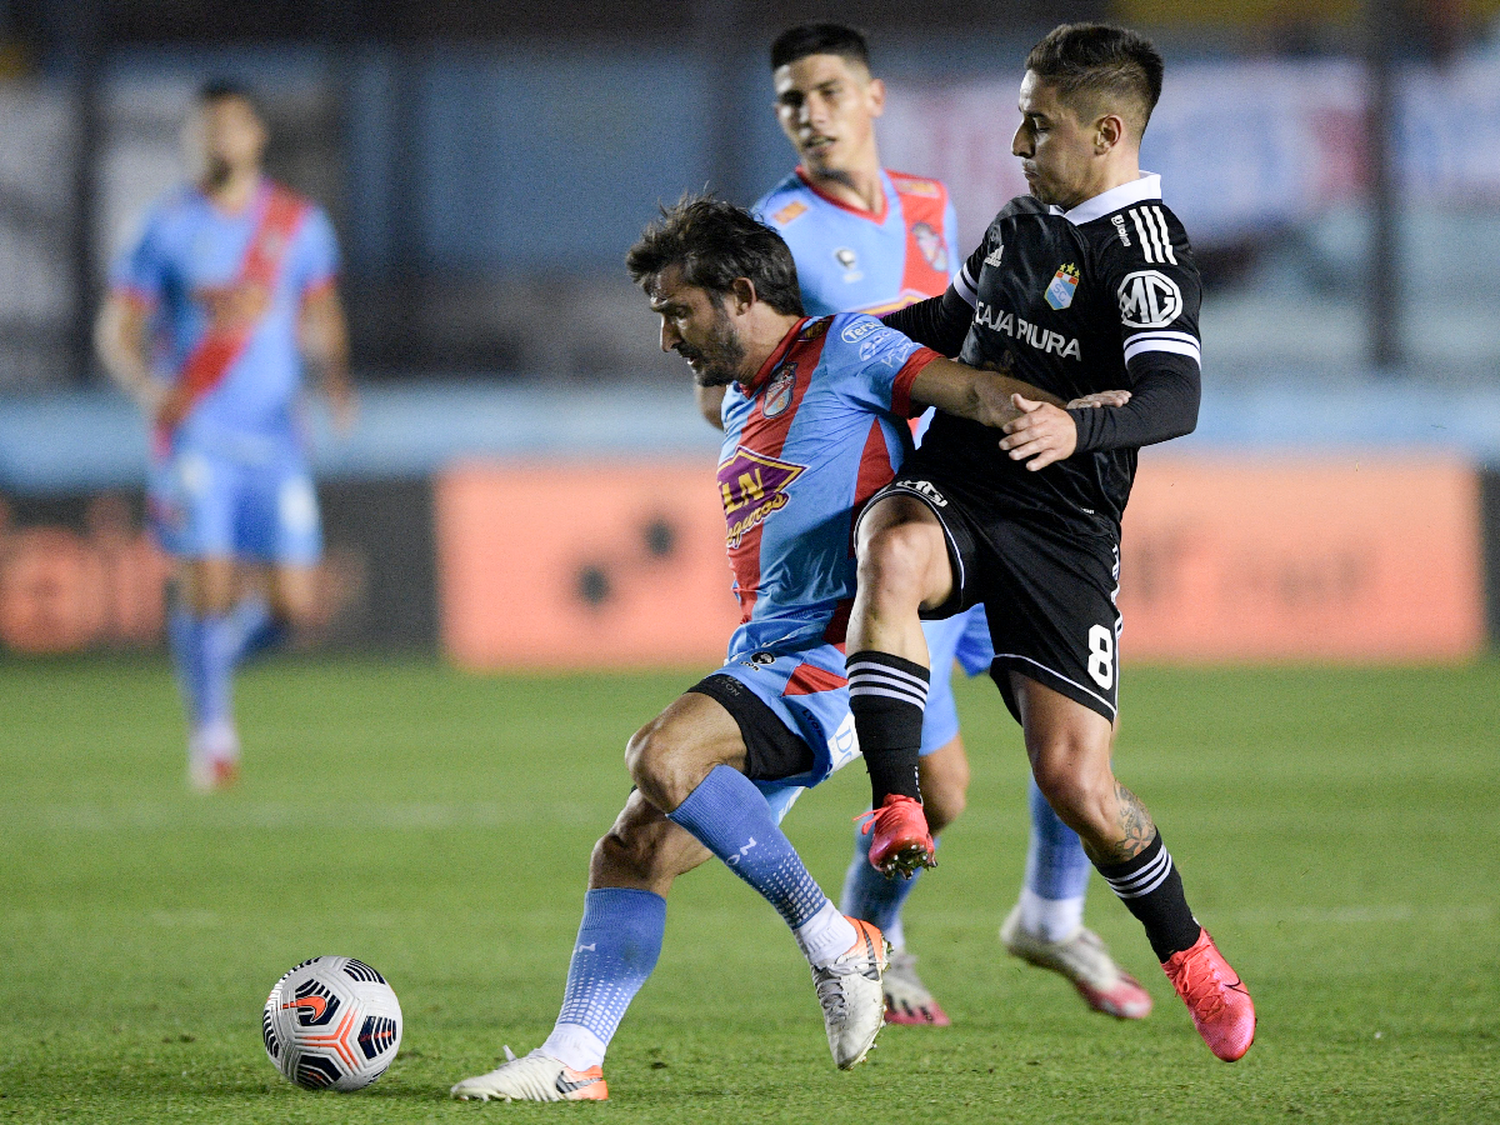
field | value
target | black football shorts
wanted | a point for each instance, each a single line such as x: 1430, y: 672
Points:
x: 1049, y: 595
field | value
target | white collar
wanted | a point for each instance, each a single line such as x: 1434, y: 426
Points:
x: 1148, y: 186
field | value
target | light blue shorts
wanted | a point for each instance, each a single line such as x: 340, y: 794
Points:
x: 805, y: 698
x: 964, y: 637
x: 204, y: 505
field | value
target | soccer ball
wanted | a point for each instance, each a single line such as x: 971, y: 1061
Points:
x: 332, y: 1023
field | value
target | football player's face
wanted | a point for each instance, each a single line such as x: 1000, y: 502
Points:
x: 697, y: 327
x: 1057, y: 150
x: 827, y: 106
x: 224, y: 136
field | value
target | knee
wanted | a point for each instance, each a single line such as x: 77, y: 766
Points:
x: 657, y: 766
x: 894, y: 562
x: 1079, y: 795
x: 622, y: 852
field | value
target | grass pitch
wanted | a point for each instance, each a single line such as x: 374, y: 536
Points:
x: 1336, y: 829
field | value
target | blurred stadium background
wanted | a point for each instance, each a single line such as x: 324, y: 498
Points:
x: 1336, y: 162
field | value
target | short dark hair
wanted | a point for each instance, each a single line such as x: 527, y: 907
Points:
x: 819, y: 39
x: 1095, y: 65
x: 222, y: 89
x: 716, y: 244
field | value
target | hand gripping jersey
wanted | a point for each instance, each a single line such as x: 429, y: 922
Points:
x: 1103, y: 296
x: 818, y: 430
x: 848, y: 259
x: 226, y: 292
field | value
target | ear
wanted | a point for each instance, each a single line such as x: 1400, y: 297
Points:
x: 1109, y: 131
x: 877, y: 97
x: 742, y: 295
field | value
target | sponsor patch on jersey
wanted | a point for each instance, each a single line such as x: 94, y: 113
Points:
x: 815, y: 328
x: 907, y: 186
x: 1149, y: 299
x: 753, y: 486
x: 778, y: 392
x: 1062, y: 286
x: 854, y: 333
x: 795, y: 209
x: 930, y: 242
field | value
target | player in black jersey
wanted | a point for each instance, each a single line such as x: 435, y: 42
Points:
x: 1087, y: 284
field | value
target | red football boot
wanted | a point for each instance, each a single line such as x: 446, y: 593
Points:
x: 1215, y: 995
x: 901, y: 843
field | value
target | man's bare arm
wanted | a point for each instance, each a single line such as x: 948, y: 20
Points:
x: 980, y: 396
x: 323, y: 338
x: 120, y: 342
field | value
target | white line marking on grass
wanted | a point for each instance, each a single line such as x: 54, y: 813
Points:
x: 275, y: 815
x: 1365, y: 915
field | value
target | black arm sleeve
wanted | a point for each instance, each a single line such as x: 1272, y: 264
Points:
x: 1163, y: 404
x: 940, y: 323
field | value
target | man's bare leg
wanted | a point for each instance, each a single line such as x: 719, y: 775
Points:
x: 903, y: 568
x: 1070, y: 746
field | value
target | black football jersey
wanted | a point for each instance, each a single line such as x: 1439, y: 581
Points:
x: 1102, y: 297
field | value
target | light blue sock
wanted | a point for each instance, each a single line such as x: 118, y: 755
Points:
x: 254, y: 628
x: 185, y: 640
x: 618, y: 943
x: 730, y: 817
x: 216, y: 650
x: 1056, y: 867
x: 870, y: 895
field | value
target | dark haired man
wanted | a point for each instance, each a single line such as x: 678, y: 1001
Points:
x: 815, y: 422
x: 869, y: 239
x: 1088, y: 283
x: 224, y: 301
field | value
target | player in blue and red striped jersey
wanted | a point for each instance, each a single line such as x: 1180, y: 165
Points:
x: 815, y: 420
x: 226, y: 297
x: 869, y: 239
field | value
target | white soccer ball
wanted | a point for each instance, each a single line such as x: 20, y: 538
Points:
x: 332, y: 1023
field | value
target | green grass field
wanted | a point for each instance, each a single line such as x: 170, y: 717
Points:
x: 1338, y: 830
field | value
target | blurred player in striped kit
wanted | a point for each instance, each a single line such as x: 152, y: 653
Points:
x: 871, y: 240
x: 227, y: 296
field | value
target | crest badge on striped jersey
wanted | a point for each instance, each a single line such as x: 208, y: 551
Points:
x: 1063, y: 285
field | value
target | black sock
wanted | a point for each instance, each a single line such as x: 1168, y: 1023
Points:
x: 888, y: 695
x: 1151, y: 889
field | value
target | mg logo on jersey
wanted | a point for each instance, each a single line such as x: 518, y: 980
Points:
x: 1149, y: 299
x: 753, y: 486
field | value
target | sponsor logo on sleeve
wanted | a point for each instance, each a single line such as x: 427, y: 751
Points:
x: 793, y: 210
x: 1149, y: 299
x: 854, y: 333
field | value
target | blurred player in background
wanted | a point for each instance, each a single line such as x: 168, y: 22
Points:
x: 226, y: 298
x: 868, y: 239
x: 1088, y: 282
x: 815, y: 419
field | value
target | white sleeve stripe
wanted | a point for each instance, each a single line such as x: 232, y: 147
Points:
x: 1147, y: 240
x: 965, y: 286
x: 1175, y: 347
x: 1166, y: 235
x: 1161, y: 335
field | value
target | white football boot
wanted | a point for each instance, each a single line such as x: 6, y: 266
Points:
x: 852, y: 997
x: 1084, y: 959
x: 535, y: 1078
